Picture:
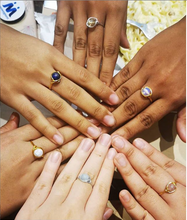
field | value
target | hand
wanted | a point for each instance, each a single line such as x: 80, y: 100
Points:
x: 68, y: 197
x: 159, y: 64
x: 19, y: 169
x: 146, y: 172
x: 26, y: 67
x: 98, y: 44
x: 181, y: 123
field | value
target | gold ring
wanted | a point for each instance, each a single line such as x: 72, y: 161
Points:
x: 55, y: 78
x: 171, y: 187
x: 147, y: 93
x: 37, y: 151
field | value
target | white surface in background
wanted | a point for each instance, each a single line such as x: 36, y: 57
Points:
x: 50, y: 4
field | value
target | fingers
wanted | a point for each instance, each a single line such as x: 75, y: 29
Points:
x: 44, y: 183
x: 80, y: 34
x: 61, y: 26
x: 84, y: 78
x: 181, y: 124
x: 151, y: 173
x: 111, y: 44
x: 176, y: 170
x: 97, y: 158
x: 69, y: 174
x: 108, y: 213
x: 102, y: 186
x: 133, y: 208
x: 12, y: 123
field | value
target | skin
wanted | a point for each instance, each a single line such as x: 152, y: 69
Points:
x: 69, y: 197
x: 161, y: 65
x: 20, y: 170
x: 32, y: 62
x: 93, y: 46
x: 181, y: 123
x: 147, y: 179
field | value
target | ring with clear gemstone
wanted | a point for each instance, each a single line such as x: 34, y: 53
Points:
x: 92, y: 22
x: 147, y: 92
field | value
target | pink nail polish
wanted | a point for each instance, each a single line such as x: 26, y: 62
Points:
x: 58, y: 139
x: 113, y: 99
x: 109, y: 120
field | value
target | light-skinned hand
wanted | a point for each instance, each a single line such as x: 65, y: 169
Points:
x: 68, y: 197
x: 146, y: 172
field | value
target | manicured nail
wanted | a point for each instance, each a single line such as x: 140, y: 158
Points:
x: 86, y: 144
x: 125, y: 196
x: 93, y: 132
x: 111, y: 153
x: 12, y: 117
x: 139, y: 143
x: 118, y: 142
x: 121, y: 160
x: 58, y: 139
x: 113, y: 99
x: 105, y: 139
x: 109, y: 120
x: 55, y: 156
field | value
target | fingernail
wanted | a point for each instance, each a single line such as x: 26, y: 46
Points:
x: 104, y: 140
x: 125, y: 196
x: 113, y: 99
x: 86, y: 144
x: 139, y: 143
x: 55, y: 156
x: 118, y: 142
x: 93, y: 132
x: 12, y: 117
x: 107, y: 214
x: 58, y: 139
x: 111, y: 154
x: 121, y: 160
x: 109, y: 120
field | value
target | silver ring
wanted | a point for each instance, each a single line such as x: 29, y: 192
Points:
x: 85, y: 178
x: 92, y: 22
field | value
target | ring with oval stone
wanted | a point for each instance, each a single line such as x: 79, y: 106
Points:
x: 37, y: 151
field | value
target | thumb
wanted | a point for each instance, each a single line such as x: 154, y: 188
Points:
x: 181, y: 124
x: 12, y: 123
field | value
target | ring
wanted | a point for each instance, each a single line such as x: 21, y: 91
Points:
x: 92, y: 22
x: 85, y: 178
x: 55, y: 78
x: 147, y: 93
x: 37, y: 151
x: 171, y: 187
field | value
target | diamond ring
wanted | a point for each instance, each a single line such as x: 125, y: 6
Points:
x: 92, y: 22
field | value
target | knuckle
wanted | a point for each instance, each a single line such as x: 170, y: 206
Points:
x: 110, y: 50
x: 128, y: 132
x: 105, y: 75
x: 125, y: 74
x: 130, y: 108
x: 125, y: 92
x: 60, y: 30
x: 146, y: 120
x: 150, y: 170
x: 169, y: 164
x: 80, y: 43
x: 143, y: 192
x: 80, y: 123
x: 74, y: 92
x: 114, y: 85
x: 83, y: 76
x: 102, y: 188
x: 66, y: 178
x: 31, y: 114
x: 129, y: 152
x: 97, y: 111
x: 57, y: 106
x: 94, y: 50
